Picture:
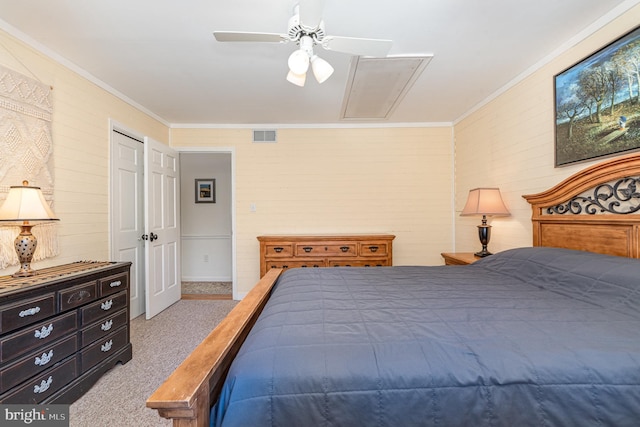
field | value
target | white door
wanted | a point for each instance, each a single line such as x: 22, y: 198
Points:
x: 127, y: 212
x: 162, y: 249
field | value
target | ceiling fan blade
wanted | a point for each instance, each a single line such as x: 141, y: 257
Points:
x: 240, y: 36
x: 310, y: 14
x: 357, y: 46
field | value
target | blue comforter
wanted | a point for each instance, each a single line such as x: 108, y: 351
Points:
x: 526, y: 337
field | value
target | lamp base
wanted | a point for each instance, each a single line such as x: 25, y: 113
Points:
x: 484, y: 233
x: 25, y: 273
x: 25, y: 245
x: 483, y: 253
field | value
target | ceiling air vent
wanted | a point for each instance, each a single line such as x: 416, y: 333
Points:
x: 377, y: 85
x: 264, y: 135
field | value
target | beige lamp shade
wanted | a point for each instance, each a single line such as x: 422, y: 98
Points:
x: 485, y: 201
x: 26, y: 203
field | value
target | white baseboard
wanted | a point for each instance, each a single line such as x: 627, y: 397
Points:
x: 205, y: 279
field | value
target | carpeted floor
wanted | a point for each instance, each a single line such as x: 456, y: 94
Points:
x: 159, y: 346
x: 216, y: 288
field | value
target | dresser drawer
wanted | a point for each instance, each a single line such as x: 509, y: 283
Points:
x: 371, y: 262
x: 326, y: 249
x: 35, y: 336
x: 40, y: 387
x: 23, y: 313
x: 102, y: 349
x: 77, y: 296
x: 103, y: 308
x: 36, y: 362
x: 103, y: 328
x: 112, y: 284
x: 373, y: 249
x: 278, y: 249
x: 295, y: 263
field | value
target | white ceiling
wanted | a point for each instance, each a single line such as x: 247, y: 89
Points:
x: 161, y: 54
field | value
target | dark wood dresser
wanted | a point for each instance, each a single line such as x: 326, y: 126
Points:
x: 294, y: 251
x: 61, y: 330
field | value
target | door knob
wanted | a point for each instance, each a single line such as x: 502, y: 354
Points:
x: 144, y: 237
x: 153, y: 236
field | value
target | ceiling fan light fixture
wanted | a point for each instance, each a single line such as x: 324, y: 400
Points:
x: 306, y: 29
x: 297, y: 79
x: 322, y: 70
x: 299, y: 62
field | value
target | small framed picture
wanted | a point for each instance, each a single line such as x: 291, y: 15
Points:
x: 205, y: 190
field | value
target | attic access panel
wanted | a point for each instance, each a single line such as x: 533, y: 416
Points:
x: 377, y: 85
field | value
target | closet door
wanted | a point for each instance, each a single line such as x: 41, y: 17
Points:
x: 127, y: 211
x: 162, y: 231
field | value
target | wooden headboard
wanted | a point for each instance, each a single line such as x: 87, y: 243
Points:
x: 596, y: 209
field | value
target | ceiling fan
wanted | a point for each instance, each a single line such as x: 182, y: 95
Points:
x: 306, y: 29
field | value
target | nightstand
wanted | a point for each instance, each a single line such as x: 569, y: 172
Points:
x: 459, y: 258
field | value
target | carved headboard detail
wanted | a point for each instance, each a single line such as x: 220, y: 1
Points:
x: 596, y: 209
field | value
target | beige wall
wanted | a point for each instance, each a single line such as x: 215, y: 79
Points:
x: 383, y: 180
x: 509, y: 143
x: 376, y: 180
x: 81, y: 113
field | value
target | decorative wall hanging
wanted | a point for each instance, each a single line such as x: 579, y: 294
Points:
x: 597, y: 103
x: 26, y: 153
x: 206, y: 190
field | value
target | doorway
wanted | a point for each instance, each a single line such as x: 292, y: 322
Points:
x: 206, y: 239
x: 127, y: 217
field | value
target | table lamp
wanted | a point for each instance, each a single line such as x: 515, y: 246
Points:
x: 485, y: 202
x: 25, y: 206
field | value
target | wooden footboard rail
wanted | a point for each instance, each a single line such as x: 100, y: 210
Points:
x: 187, y: 395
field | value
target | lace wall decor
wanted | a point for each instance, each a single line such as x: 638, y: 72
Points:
x: 26, y: 153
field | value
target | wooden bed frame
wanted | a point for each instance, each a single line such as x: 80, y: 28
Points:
x: 566, y: 216
x: 595, y: 210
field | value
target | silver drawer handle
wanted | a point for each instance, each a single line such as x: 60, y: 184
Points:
x: 44, y: 385
x: 115, y: 284
x: 43, y: 332
x: 29, y: 312
x: 44, y: 359
x: 106, y: 305
x: 107, y: 325
x: 106, y: 346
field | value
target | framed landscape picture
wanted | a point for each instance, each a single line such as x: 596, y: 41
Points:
x: 205, y: 190
x: 597, y: 103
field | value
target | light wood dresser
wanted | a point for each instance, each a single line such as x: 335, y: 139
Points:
x: 299, y: 251
x: 61, y: 330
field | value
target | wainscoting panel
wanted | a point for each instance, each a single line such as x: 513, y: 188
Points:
x: 206, y: 258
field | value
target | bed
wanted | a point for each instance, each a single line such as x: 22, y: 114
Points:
x: 545, y: 335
